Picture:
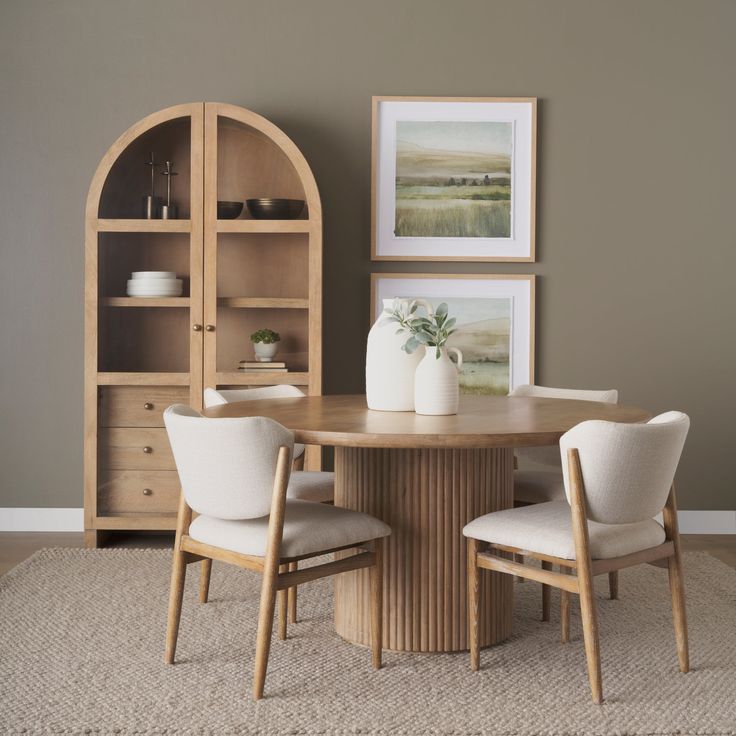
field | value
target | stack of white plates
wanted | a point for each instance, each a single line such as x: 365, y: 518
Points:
x: 154, y: 283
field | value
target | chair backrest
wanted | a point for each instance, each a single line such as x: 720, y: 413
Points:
x: 212, y: 397
x: 549, y: 457
x: 627, y: 469
x: 226, y: 466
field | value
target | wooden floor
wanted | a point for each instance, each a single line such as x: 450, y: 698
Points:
x: 17, y: 546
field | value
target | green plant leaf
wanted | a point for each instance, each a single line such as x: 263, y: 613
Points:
x: 441, y: 311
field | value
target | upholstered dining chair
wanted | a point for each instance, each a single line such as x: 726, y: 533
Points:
x: 234, y: 475
x: 538, y: 470
x: 617, y: 478
x: 305, y: 485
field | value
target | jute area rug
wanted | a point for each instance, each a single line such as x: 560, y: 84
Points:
x: 82, y: 639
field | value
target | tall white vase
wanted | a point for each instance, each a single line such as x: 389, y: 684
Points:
x: 436, y: 385
x: 389, y: 371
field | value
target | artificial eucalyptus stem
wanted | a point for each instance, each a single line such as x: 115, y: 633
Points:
x: 432, y: 331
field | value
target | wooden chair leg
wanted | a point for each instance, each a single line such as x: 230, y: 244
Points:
x: 176, y: 594
x: 613, y: 585
x: 293, y: 567
x: 204, y: 580
x: 546, y: 593
x: 178, y: 575
x: 473, y: 604
x: 283, y: 607
x: 588, y: 610
x: 263, y: 637
x: 270, y: 573
x: 677, y: 582
x: 564, y: 611
x: 376, y: 581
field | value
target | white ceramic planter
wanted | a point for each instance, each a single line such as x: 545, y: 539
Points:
x: 389, y: 371
x: 436, y: 388
x: 265, y: 351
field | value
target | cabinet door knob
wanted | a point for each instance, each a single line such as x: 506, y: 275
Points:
x: 197, y: 328
x: 148, y: 450
x: 210, y: 328
x: 148, y: 406
x: 147, y: 492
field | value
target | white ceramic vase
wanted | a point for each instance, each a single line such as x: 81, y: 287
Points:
x: 436, y: 386
x: 265, y: 351
x: 389, y: 371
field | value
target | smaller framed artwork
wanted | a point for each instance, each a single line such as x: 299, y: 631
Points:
x: 495, y: 322
x: 453, y: 179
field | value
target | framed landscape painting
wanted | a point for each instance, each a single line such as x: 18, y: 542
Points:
x: 453, y: 179
x: 495, y: 322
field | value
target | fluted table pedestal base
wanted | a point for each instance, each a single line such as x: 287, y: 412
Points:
x: 426, y: 496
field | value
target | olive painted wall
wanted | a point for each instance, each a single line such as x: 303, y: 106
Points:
x: 636, y: 246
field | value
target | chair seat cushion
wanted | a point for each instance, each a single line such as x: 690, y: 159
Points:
x: 311, y: 485
x: 547, y: 528
x: 308, y: 528
x: 538, y: 486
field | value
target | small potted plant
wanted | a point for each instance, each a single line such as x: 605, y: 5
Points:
x: 264, y: 343
x: 436, y: 389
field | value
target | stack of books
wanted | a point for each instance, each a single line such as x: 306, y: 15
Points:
x: 256, y: 366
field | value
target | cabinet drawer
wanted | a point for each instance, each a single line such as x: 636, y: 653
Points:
x: 136, y: 491
x: 128, y: 448
x: 138, y: 406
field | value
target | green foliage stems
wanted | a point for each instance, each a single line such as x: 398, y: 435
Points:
x: 265, y: 336
x: 431, y: 331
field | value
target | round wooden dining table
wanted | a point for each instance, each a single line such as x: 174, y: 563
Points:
x: 426, y: 476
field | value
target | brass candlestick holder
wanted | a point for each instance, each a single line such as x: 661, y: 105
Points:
x: 168, y: 211
x: 151, y: 203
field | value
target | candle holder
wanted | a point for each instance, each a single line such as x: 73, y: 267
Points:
x: 168, y: 211
x: 151, y: 203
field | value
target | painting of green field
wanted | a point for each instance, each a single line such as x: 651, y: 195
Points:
x: 453, y: 179
x: 483, y: 336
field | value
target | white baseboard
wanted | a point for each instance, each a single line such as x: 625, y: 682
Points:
x: 72, y: 520
x: 707, y: 522
x: 41, y: 520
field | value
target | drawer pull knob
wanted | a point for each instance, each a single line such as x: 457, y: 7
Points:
x: 197, y: 328
x: 210, y: 328
x: 148, y: 406
x: 147, y: 492
x: 148, y: 450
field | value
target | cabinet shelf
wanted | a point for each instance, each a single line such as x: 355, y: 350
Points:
x: 264, y: 226
x: 266, y: 378
x: 262, y: 302
x: 108, y: 225
x: 142, y: 379
x: 138, y: 301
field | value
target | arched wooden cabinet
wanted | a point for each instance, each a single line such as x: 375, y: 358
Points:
x: 142, y: 354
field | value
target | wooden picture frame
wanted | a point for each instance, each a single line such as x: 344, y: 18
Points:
x: 490, y: 217
x: 518, y: 290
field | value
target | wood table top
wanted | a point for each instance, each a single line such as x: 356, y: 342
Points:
x: 481, y: 421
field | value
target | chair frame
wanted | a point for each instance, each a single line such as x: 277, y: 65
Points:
x: 280, y: 575
x: 576, y: 576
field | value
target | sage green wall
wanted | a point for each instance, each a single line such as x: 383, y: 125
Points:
x: 636, y: 251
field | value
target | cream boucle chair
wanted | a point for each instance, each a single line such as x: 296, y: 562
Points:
x: 305, y: 485
x: 538, y: 471
x: 617, y: 477
x: 234, y: 474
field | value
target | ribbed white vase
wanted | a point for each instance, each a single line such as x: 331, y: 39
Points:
x: 436, y: 385
x: 389, y: 371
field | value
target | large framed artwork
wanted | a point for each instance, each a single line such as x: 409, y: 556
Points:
x: 453, y: 179
x: 495, y: 322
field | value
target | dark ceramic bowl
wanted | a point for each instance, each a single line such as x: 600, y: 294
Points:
x: 268, y: 208
x: 228, y: 210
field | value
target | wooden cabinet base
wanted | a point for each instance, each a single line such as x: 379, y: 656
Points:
x: 426, y: 496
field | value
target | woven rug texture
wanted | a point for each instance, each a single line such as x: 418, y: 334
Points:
x: 82, y: 641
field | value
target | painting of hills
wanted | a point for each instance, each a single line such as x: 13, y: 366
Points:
x: 484, y: 337
x: 453, y: 179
